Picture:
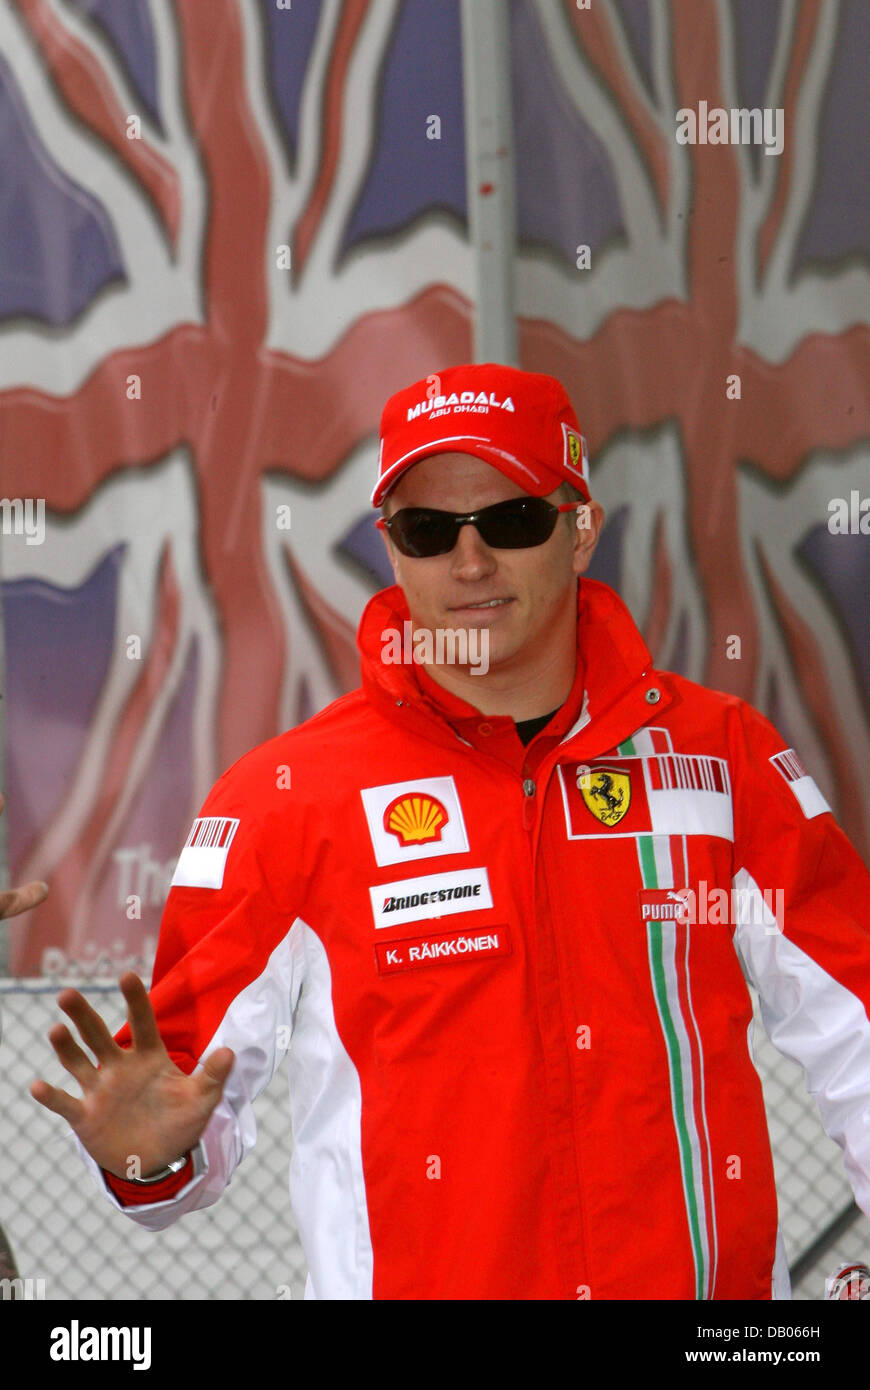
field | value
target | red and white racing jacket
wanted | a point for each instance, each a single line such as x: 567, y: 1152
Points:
x: 509, y: 982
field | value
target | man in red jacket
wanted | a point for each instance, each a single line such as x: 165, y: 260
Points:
x: 502, y: 912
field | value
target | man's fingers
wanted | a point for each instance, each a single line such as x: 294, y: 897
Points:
x: 72, y: 1110
x: 77, y: 1062
x: 213, y: 1074
x: 16, y: 900
x: 140, y: 1014
x: 90, y: 1025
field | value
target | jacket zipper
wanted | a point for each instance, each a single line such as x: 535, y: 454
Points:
x: 529, y: 786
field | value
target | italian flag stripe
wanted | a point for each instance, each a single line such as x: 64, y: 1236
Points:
x: 667, y: 949
x: 683, y: 945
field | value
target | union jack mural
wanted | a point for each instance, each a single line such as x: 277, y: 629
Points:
x: 230, y: 231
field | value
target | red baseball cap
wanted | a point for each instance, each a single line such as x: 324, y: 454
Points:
x: 519, y: 422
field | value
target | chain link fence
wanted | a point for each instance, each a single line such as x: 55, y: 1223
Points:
x: 246, y: 1245
x: 63, y: 1232
x: 811, y: 1181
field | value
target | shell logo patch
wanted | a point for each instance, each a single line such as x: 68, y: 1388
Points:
x: 607, y: 794
x: 415, y: 820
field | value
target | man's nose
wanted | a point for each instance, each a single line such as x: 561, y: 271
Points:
x: 471, y: 554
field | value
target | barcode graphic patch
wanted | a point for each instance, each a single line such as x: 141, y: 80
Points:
x: 789, y: 764
x: 790, y: 767
x: 686, y: 772
x: 202, y: 862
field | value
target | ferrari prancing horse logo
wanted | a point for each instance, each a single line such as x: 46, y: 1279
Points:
x: 607, y: 794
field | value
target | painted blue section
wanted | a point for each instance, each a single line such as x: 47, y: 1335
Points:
x: 363, y: 544
x: 837, y: 222
x: 775, y: 711
x: 635, y: 18
x: 304, y: 700
x: 161, y: 809
x: 127, y: 25
x: 58, y: 645
x: 566, y: 192
x: 606, y: 563
x: 756, y: 28
x: 290, y: 39
x: 842, y: 564
x: 410, y: 173
x: 58, y: 245
x: 679, y: 658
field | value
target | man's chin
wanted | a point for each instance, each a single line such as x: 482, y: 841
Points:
x: 498, y: 649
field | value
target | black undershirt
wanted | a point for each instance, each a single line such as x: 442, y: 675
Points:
x: 527, y: 728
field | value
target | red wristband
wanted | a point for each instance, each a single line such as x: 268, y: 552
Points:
x: 134, y: 1194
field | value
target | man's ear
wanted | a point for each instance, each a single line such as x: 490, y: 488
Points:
x: 588, y: 521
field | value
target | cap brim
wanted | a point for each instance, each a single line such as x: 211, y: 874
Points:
x: 532, y: 481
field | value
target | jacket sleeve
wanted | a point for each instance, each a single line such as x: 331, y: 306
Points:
x: 801, y: 907
x: 228, y: 972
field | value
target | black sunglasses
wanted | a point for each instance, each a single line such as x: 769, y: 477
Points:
x: 517, y: 524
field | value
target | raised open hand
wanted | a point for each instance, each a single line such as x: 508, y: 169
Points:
x: 139, y: 1110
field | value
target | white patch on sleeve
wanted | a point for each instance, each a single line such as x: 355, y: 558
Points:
x: 793, y: 772
x: 203, y: 860
x: 811, y: 800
